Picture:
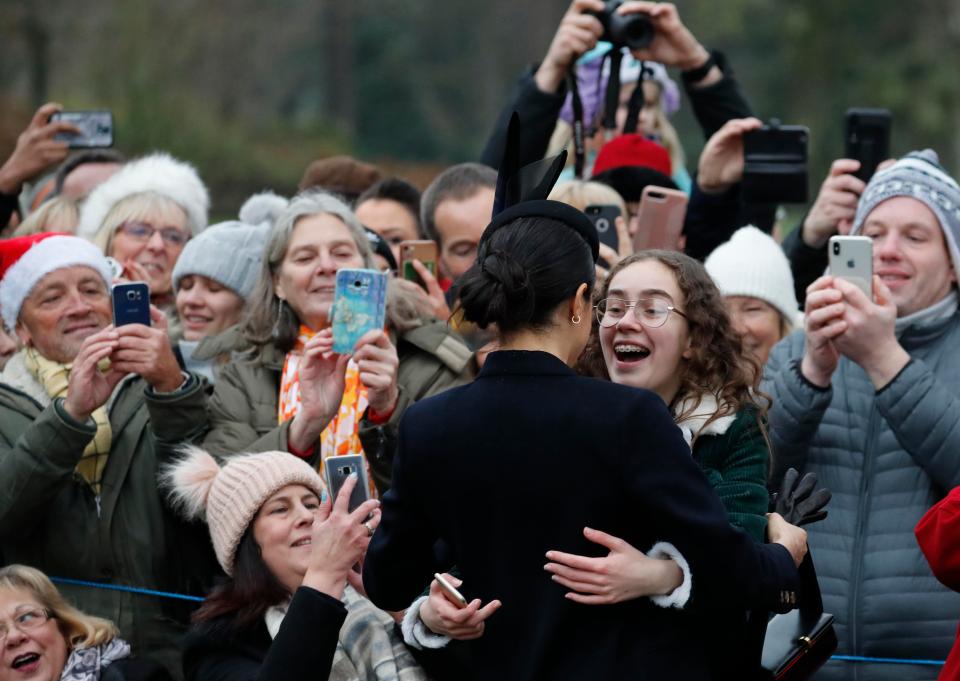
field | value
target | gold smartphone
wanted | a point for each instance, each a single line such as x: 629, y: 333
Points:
x: 424, y: 251
x: 450, y: 592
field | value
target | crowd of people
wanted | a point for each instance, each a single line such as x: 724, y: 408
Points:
x: 581, y: 436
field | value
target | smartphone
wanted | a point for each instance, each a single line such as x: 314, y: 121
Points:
x: 336, y: 470
x: 450, y: 591
x: 359, y: 305
x: 867, y: 139
x: 604, y: 218
x: 424, y: 251
x: 96, y: 129
x: 851, y: 258
x: 131, y: 303
x: 775, y: 164
x: 660, y: 218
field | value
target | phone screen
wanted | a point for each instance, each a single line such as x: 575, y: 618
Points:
x: 96, y: 129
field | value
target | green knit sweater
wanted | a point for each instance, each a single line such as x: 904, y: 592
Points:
x: 736, y: 464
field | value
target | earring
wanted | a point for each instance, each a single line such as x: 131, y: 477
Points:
x: 575, y: 319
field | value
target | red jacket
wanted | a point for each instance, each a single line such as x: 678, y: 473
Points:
x: 938, y: 534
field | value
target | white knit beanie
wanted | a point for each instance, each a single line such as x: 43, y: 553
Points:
x: 229, y: 497
x: 228, y: 252
x: 158, y: 173
x: 752, y: 264
x: 41, y: 255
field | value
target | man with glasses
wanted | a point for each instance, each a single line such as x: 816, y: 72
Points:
x: 87, y: 411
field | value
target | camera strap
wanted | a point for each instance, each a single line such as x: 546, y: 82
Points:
x: 636, y: 103
x: 579, y: 148
x: 612, y: 96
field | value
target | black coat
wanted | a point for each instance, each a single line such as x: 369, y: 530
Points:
x: 519, y: 462
x: 302, y: 651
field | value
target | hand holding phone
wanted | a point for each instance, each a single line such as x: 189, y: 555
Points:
x: 423, y: 250
x: 131, y: 303
x: 660, y: 218
x: 96, y: 129
x: 359, y: 306
x: 336, y: 470
x: 851, y: 258
x: 450, y: 591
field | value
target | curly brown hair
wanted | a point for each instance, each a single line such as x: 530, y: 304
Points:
x: 717, y: 364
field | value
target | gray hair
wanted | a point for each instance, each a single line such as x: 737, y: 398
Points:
x: 459, y: 182
x: 271, y: 320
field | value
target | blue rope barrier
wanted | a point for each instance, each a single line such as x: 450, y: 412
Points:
x: 888, y: 660
x: 128, y: 589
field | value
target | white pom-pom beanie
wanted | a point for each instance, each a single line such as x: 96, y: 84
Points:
x: 24, y: 261
x: 752, y: 264
x: 230, y: 496
x: 158, y: 173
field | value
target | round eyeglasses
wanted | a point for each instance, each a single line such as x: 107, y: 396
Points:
x: 651, y: 312
x: 141, y: 231
x: 26, y: 620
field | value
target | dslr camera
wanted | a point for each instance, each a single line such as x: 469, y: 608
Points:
x: 634, y: 31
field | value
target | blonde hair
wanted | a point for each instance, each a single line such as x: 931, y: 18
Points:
x: 138, y: 206
x: 582, y: 193
x: 61, y: 214
x: 79, y: 630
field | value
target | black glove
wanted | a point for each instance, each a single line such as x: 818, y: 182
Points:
x: 798, y: 501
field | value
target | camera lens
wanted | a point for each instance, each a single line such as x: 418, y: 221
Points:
x: 836, y: 248
x: 131, y: 295
x: 634, y: 30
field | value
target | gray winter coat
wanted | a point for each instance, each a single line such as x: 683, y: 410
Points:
x: 887, y: 456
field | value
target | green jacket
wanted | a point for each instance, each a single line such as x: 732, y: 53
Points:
x: 243, y: 409
x: 735, y: 462
x: 50, y: 518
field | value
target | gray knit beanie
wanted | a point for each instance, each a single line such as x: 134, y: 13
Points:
x: 229, y: 253
x: 920, y: 176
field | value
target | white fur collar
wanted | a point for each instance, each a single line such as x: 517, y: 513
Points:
x: 16, y: 375
x: 693, y: 425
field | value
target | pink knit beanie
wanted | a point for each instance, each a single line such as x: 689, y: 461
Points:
x: 230, y: 496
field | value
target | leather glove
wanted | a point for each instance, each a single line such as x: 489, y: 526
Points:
x: 800, y: 502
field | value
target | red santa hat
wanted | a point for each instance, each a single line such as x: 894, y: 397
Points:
x: 26, y: 260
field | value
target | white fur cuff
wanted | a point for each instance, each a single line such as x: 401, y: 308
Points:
x: 678, y: 597
x: 416, y: 634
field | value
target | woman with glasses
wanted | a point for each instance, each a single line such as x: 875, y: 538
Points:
x: 528, y: 455
x: 662, y: 325
x: 44, y: 638
x: 143, y: 217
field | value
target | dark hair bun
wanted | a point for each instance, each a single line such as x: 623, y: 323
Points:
x: 497, y: 290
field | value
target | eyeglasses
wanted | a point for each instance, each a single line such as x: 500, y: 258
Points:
x: 651, y: 312
x: 141, y: 231
x: 25, y: 621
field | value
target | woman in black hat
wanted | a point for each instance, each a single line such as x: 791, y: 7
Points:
x: 528, y: 455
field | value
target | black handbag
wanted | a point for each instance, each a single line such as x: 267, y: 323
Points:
x: 801, y: 641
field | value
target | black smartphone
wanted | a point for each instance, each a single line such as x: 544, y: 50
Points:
x: 96, y: 129
x: 131, y: 304
x: 337, y: 469
x: 775, y: 164
x: 604, y: 218
x: 867, y: 139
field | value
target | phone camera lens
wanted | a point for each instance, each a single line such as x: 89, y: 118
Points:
x: 836, y: 249
x: 131, y: 295
x: 357, y: 284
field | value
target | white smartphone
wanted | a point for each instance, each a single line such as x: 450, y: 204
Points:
x: 450, y: 591
x: 851, y: 258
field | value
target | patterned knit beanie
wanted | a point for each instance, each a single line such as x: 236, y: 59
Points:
x: 920, y: 176
x: 229, y: 497
x: 752, y: 264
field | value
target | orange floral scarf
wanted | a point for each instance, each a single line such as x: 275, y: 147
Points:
x: 342, y: 435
